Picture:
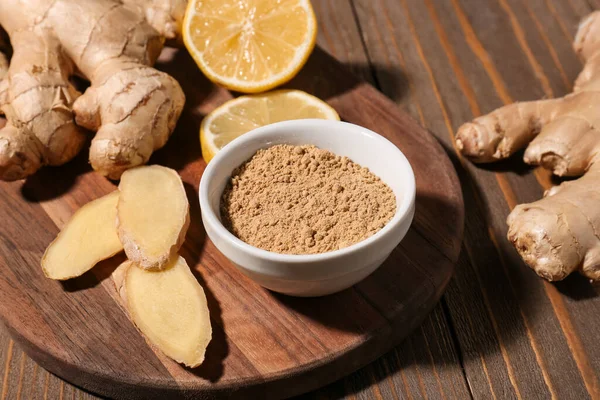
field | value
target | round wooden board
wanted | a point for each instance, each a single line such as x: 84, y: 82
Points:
x: 264, y: 344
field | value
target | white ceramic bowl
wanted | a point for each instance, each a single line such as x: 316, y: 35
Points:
x: 313, y: 274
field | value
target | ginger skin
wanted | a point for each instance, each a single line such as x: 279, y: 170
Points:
x: 560, y: 233
x: 4, y: 49
x: 132, y: 106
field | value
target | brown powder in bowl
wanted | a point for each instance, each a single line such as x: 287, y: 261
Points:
x: 304, y: 200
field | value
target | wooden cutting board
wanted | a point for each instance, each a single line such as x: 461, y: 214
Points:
x: 264, y: 344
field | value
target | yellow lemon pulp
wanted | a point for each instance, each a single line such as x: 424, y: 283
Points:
x: 250, y: 45
x: 238, y: 116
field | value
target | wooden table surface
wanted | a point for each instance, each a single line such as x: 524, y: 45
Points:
x: 499, y: 331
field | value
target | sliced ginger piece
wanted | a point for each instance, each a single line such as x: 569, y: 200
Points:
x: 168, y: 307
x: 153, y: 215
x: 90, y: 236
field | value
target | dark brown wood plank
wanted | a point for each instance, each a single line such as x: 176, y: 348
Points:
x: 513, y: 328
x: 423, y: 366
x: 581, y: 7
x: 531, y: 281
x: 23, y: 378
x: 340, y: 36
x: 550, y: 349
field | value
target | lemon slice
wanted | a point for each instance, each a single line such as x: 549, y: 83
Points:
x: 238, y: 116
x: 250, y: 45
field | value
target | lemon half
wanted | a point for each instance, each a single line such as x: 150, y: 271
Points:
x: 238, y: 116
x: 250, y: 46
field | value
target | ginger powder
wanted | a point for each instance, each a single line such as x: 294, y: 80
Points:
x: 304, y: 200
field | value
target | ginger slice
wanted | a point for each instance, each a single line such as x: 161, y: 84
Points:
x: 168, y: 307
x: 152, y: 215
x: 90, y: 236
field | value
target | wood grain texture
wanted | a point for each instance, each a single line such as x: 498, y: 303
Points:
x: 264, y: 345
x: 497, y: 323
x: 513, y: 329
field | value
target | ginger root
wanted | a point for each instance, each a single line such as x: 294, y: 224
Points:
x: 152, y: 214
x: 4, y: 50
x: 168, y: 307
x: 560, y: 233
x: 89, y: 237
x: 132, y: 106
